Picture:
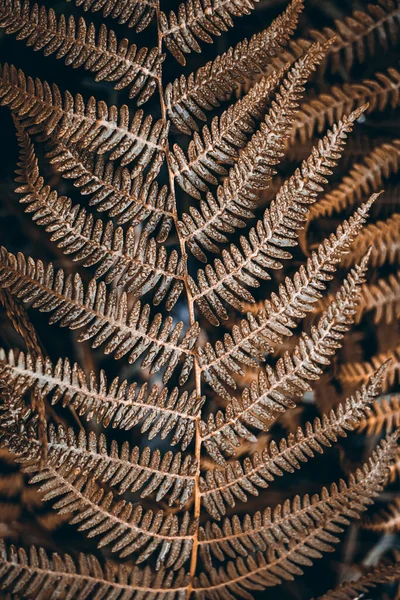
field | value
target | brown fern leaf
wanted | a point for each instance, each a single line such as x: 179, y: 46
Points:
x: 383, y: 298
x: 317, y: 114
x: 38, y: 574
x: 386, y: 520
x: 363, y: 179
x: 138, y: 266
x: 103, y: 315
x: 287, y: 560
x: 18, y: 316
x: 224, y: 486
x: 186, y: 99
x: 297, y: 296
x: 263, y: 249
x: 293, y: 519
x: 81, y: 45
x: 41, y: 108
x: 126, y: 469
x: 237, y: 197
x: 383, y: 416
x: 197, y: 21
x: 135, y: 13
x: 362, y: 34
x: 219, y: 144
x: 351, y: 589
x: 130, y: 199
x: 276, y: 389
x: 117, y: 405
x: 384, y: 237
x: 352, y: 374
x: 73, y: 482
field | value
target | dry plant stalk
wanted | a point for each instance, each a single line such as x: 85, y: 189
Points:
x: 170, y: 208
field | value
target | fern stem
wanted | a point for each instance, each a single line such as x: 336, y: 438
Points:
x: 190, y: 306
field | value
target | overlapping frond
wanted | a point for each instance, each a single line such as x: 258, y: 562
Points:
x: 36, y: 573
x: 104, y: 315
x: 236, y: 197
x: 196, y: 21
x: 83, y: 45
x: 220, y: 143
x: 357, y: 37
x: 297, y: 296
x: 71, y: 481
x: 113, y: 190
x: 353, y: 373
x: 384, y: 237
x: 236, y: 480
x: 362, y: 34
x: 276, y: 389
x: 351, y: 589
x: 116, y: 404
x: 383, y: 298
x: 186, y: 99
x: 138, y: 266
x: 263, y: 250
x: 42, y: 108
x: 386, y: 520
x: 17, y: 314
x: 363, y: 179
x: 293, y: 519
x: 123, y: 468
x: 243, y: 577
x: 314, y: 116
x: 383, y: 416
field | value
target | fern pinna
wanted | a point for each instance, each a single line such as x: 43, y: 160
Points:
x: 176, y: 182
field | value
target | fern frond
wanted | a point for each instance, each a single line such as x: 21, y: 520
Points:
x: 276, y: 389
x: 362, y: 34
x: 236, y: 197
x: 297, y: 296
x: 219, y: 144
x: 70, y: 484
x: 384, y: 415
x: 135, y: 13
x: 117, y: 405
x: 317, y: 114
x: 352, y: 589
x: 386, y: 520
x: 354, y: 373
x: 278, y: 229
x: 138, y: 266
x: 36, y: 574
x: 103, y: 315
x: 130, y: 199
x: 41, y: 108
x: 293, y: 519
x: 287, y: 561
x: 16, y: 312
x: 383, y: 298
x: 125, y: 469
x: 80, y: 44
x: 223, y: 486
x: 363, y: 179
x: 384, y: 237
x: 196, y: 21
x: 186, y: 99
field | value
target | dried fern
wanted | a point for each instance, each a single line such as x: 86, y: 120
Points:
x: 151, y: 460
